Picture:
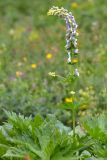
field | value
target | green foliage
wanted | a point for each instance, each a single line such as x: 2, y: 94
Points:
x: 41, y: 139
x: 96, y: 128
x: 28, y: 34
x: 49, y: 139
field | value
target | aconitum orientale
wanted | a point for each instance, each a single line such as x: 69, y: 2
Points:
x: 71, y: 35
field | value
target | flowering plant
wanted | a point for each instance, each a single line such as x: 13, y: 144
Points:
x: 72, y: 51
x: 71, y: 34
x: 38, y: 138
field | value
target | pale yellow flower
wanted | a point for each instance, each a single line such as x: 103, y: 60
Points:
x: 33, y: 65
x: 19, y: 64
x: 49, y: 56
x: 72, y: 92
x: 53, y: 74
x: 83, y: 93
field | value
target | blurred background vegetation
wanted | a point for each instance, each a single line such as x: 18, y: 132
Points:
x: 32, y: 44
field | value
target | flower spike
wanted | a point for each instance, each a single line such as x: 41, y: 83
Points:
x: 71, y: 32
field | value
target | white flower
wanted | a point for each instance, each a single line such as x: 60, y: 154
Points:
x: 76, y: 72
x: 76, y: 51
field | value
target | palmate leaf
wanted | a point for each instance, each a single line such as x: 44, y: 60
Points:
x: 100, y: 150
x: 59, y: 156
x: 96, y: 128
x: 15, y: 152
x: 41, y: 139
x: 18, y: 132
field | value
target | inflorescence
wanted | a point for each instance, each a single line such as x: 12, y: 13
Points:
x: 71, y: 34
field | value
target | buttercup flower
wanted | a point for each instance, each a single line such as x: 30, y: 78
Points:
x: 49, y: 56
x: 69, y: 100
x: 33, y: 66
x: 75, y: 60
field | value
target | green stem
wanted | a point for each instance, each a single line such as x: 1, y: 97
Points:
x: 74, y: 121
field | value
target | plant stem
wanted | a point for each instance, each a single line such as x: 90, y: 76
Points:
x: 73, y: 120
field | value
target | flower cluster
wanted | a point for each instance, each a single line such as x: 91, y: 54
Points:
x: 53, y: 74
x: 71, y: 34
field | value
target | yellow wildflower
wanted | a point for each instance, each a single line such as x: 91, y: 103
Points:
x: 69, y: 100
x: 75, y: 60
x: 49, y: 56
x: 33, y: 65
x: 19, y: 73
x: 74, y: 5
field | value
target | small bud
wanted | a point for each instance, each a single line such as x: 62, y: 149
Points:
x: 76, y: 51
x: 75, y: 44
x: 69, y: 57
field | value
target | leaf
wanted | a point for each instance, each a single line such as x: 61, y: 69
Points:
x: 96, y: 128
x: 41, y: 139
